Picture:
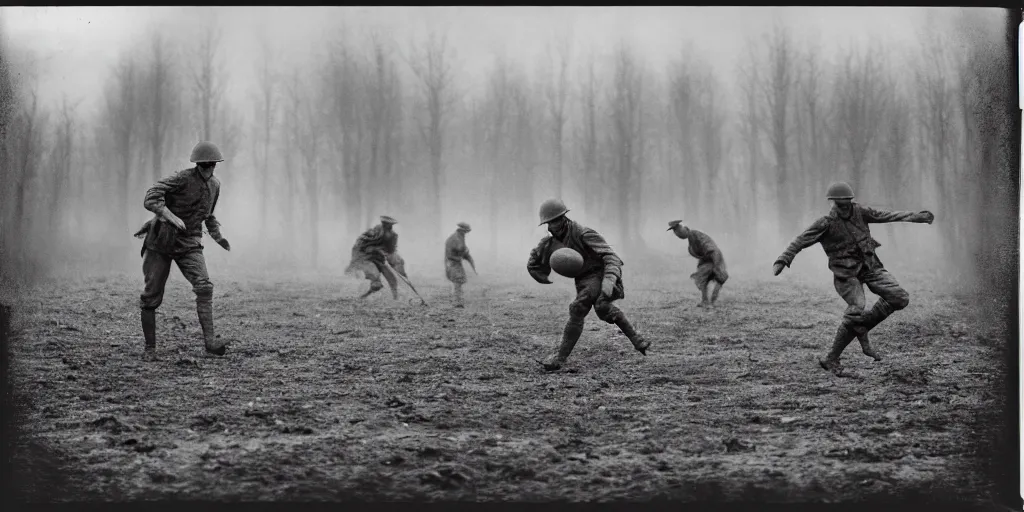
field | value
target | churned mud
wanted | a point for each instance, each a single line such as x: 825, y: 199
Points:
x: 323, y: 396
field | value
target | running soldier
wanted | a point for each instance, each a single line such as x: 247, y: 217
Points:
x: 455, y: 250
x: 374, y: 251
x: 710, y: 265
x: 846, y: 239
x: 182, y: 203
x: 598, y: 285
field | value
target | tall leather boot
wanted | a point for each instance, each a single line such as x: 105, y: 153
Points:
x: 844, y: 335
x: 638, y: 341
x: 704, y: 302
x: 458, y: 296
x: 205, y: 311
x: 879, y: 312
x: 571, y: 334
x: 149, y: 332
x: 714, y: 294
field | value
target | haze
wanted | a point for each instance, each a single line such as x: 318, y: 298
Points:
x: 696, y: 150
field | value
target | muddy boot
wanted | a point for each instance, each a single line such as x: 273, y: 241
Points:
x: 149, y: 332
x: 458, y: 296
x: 638, y: 341
x: 375, y: 286
x: 213, y: 345
x: 868, y: 320
x: 714, y: 295
x: 843, y: 338
x: 571, y: 334
x: 704, y: 302
x: 865, y: 346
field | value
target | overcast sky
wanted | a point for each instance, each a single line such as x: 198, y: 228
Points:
x: 78, y: 45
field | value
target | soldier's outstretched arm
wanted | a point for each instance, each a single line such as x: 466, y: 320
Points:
x: 876, y: 216
x: 809, y: 237
x: 538, y: 265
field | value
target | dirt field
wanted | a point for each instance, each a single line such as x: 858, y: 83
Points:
x: 322, y: 396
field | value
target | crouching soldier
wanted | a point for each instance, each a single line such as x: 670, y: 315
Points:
x: 455, y: 250
x: 710, y: 265
x: 847, y: 241
x: 373, y: 252
x: 598, y: 284
x: 181, y: 204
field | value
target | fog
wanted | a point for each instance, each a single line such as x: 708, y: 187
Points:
x: 733, y: 119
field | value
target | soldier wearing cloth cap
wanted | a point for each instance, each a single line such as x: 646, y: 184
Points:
x: 377, y: 246
x: 598, y: 285
x: 455, y: 250
x: 710, y: 265
x: 182, y: 203
x: 846, y: 239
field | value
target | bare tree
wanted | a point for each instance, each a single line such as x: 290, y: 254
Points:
x: 524, y: 150
x: 499, y: 106
x: 710, y: 120
x: 306, y: 123
x: 862, y: 101
x: 556, y: 92
x: 627, y: 117
x: 936, y: 115
x: 208, y: 81
x: 383, y: 111
x: 266, y: 103
x: 683, y: 84
x: 61, y: 161
x: 809, y: 115
x: 776, y: 89
x: 347, y: 105
x: 159, y: 102
x: 751, y: 123
x: 433, y: 67
x: 589, y: 137
x: 122, y: 112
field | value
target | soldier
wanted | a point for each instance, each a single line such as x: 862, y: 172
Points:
x: 846, y: 239
x: 598, y: 285
x: 710, y: 265
x: 181, y: 204
x: 372, y: 249
x: 455, y: 250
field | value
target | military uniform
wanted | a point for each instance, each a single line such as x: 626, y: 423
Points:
x: 455, y: 250
x: 850, y: 248
x: 598, y: 285
x: 191, y: 195
x: 710, y: 262
x: 372, y: 249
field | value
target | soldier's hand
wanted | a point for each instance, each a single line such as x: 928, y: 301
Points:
x: 173, y: 219
x: 539, y: 278
x: 607, y: 288
x: 223, y: 242
x: 777, y: 269
x: 927, y: 216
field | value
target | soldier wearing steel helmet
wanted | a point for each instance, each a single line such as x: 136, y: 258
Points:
x: 710, y: 266
x: 598, y: 285
x: 372, y: 254
x: 846, y: 239
x: 181, y: 204
x: 456, y: 250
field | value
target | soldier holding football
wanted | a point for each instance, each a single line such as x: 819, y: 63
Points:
x: 598, y: 278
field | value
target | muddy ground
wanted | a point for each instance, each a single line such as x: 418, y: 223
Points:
x: 323, y: 396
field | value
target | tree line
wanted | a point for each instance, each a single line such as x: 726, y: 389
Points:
x: 369, y: 126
